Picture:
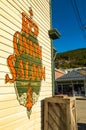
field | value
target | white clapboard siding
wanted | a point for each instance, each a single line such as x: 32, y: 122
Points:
x: 11, y: 19
x: 3, y: 68
x: 8, y: 104
x: 6, y: 34
x: 5, y: 19
x: 5, y: 47
x: 4, y: 54
x: 3, y: 74
x: 7, y: 90
x: 3, y: 61
x: 6, y: 97
x: 13, y: 116
x: 18, y: 121
x: 48, y: 57
x: 6, y: 41
x: 10, y: 111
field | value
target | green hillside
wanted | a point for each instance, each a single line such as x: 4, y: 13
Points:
x: 71, y: 59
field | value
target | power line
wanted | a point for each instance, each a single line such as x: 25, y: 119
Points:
x: 78, y: 18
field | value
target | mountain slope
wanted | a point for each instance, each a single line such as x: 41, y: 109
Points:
x: 71, y: 59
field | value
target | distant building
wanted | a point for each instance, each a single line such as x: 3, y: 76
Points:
x: 59, y: 73
x: 72, y: 83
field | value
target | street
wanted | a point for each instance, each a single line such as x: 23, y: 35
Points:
x: 81, y: 113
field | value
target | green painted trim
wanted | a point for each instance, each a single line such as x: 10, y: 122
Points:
x: 50, y: 14
x: 52, y: 61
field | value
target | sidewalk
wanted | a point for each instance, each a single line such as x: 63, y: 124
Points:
x: 80, y: 97
x: 81, y: 112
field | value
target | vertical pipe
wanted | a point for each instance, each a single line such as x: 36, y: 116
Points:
x: 52, y: 61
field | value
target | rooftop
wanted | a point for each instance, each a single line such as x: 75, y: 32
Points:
x: 73, y: 75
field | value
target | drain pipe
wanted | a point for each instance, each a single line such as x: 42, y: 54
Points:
x: 53, y: 34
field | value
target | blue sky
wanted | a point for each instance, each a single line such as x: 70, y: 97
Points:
x: 69, y: 17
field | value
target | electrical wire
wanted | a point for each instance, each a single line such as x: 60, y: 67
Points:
x: 78, y: 17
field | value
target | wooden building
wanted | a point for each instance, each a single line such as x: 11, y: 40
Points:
x: 25, y: 63
x: 59, y: 73
x: 72, y: 83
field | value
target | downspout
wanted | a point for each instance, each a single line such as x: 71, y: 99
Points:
x: 52, y: 61
x: 54, y: 34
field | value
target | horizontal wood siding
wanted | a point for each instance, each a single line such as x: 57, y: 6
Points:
x: 13, y: 116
